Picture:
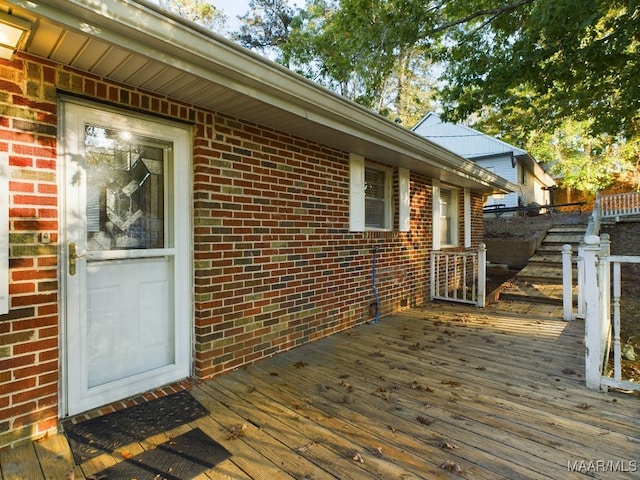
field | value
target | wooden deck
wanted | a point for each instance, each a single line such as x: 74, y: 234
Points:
x: 437, y: 392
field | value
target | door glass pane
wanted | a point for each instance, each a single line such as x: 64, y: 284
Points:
x: 125, y: 190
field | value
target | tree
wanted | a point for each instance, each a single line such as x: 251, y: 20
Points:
x: 583, y: 59
x: 576, y: 157
x: 352, y: 48
x: 547, y: 68
x: 202, y: 12
x: 266, y: 28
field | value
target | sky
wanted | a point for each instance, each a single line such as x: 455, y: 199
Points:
x: 232, y: 8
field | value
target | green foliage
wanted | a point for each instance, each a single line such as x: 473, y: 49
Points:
x: 202, y: 12
x: 582, y: 58
x: 557, y: 77
x: 355, y: 48
x: 266, y: 28
x: 577, y: 158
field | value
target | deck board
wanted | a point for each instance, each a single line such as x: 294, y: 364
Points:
x: 20, y: 463
x: 499, y: 394
x: 55, y: 457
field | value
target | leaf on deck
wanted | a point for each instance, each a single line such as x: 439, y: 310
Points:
x: 447, y: 446
x: 451, y: 466
x: 236, y: 431
x: 425, y: 421
x: 417, y: 386
x: 306, y: 447
x: 451, y: 383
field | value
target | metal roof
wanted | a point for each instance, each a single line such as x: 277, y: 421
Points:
x: 475, y: 145
x: 138, y: 44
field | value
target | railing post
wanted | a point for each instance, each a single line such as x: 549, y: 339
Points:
x: 482, y: 275
x: 567, y: 284
x: 432, y: 289
x: 604, y: 282
x: 593, y: 326
x: 580, y: 268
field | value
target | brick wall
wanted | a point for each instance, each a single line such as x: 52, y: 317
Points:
x: 29, y: 334
x: 274, y: 263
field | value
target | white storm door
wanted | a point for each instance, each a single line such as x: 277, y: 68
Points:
x: 126, y: 255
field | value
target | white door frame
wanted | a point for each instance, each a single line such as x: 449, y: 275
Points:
x: 72, y: 114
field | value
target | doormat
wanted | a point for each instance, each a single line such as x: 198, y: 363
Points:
x: 182, y: 458
x: 109, y: 432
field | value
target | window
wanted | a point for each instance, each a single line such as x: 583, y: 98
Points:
x: 371, y: 196
x: 446, y: 207
x: 376, y: 199
x: 448, y: 217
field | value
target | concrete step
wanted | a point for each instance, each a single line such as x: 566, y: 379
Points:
x: 573, y: 229
x: 562, y: 238
x: 546, y: 259
x: 540, y: 281
x: 533, y: 291
x: 543, y: 272
x: 554, y: 249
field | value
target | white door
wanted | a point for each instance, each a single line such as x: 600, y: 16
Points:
x: 126, y: 255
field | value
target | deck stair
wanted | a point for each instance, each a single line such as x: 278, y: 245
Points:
x: 540, y: 281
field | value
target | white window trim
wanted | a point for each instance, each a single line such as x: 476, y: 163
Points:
x: 4, y: 233
x: 404, y: 186
x: 388, y: 198
x: 357, y: 166
x: 435, y: 214
x: 467, y: 218
x: 436, y: 189
x: 356, y: 193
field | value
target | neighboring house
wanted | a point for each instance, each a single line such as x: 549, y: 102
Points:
x: 509, y: 162
x: 175, y: 206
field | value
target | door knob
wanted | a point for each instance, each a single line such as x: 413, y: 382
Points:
x: 73, y: 256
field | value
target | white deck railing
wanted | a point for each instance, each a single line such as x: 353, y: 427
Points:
x: 602, y: 322
x: 459, y: 276
x: 613, y: 265
x: 620, y: 205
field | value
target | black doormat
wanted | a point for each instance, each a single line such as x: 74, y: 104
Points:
x: 109, y: 432
x: 182, y: 458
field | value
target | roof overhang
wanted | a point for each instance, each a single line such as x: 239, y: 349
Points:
x: 137, y: 44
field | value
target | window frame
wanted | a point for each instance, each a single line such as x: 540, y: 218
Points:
x: 387, y: 206
x: 452, y: 214
x: 357, y: 200
x: 458, y: 195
